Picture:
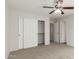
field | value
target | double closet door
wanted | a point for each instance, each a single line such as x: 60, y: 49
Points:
x: 59, y: 32
x: 27, y: 33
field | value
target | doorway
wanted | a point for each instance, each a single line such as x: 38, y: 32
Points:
x: 51, y: 32
x: 41, y: 32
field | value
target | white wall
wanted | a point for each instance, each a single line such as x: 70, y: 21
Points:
x: 14, y: 14
x: 69, y: 29
x: 52, y: 20
x: 47, y: 31
x: 14, y: 25
x: 7, y: 33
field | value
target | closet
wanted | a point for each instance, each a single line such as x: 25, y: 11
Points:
x: 41, y: 30
x: 59, y: 32
x: 51, y: 32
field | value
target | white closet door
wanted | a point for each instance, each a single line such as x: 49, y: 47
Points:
x: 56, y: 32
x: 30, y: 33
x: 62, y: 32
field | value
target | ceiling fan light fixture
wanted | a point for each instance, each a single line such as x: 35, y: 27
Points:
x: 57, y: 11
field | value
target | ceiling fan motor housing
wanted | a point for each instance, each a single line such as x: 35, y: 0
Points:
x: 58, y: 3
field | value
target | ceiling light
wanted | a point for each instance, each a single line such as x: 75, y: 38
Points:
x: 57, y: 11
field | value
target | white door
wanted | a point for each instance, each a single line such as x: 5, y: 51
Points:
x: 30, y: 33
x: 56, y: 32
x: 20, y: 34
x: 62, y: 32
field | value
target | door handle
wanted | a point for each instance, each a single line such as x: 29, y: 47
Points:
x: 19, y: 34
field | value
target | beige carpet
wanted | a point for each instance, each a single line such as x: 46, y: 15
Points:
x: 52, y: 51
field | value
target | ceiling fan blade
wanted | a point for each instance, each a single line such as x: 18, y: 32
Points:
x: 62, y: 12
x: 51, y: 12
x: 68, y: 7
x: 47, y: 7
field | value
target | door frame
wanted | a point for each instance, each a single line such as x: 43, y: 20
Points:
x: 44, y: 31
x: 21, y: 42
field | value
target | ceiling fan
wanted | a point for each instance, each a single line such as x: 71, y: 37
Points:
x: 58, y: 7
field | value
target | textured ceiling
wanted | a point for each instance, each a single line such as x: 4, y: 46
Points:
x: 35, y: 6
